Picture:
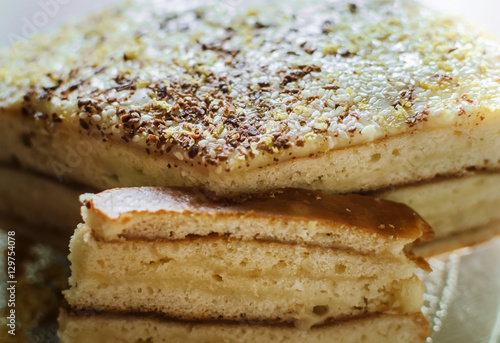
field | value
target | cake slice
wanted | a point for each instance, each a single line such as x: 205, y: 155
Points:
x: 338, y: 96
x: 342, y: 97
x: 39, y: 206
x: 291, y: 259
x: 461, y: 210
x: 93, y: 327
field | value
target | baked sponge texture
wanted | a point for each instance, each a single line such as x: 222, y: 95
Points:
x: 290, y: 260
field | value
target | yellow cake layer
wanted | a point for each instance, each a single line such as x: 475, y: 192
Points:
x: 131, y: 329
x: 217, y: 277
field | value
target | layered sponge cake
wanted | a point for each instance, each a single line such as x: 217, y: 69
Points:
x: 89, y: 327
x: 342, y: 97
x: 291, y: 263
x: 337, y: 96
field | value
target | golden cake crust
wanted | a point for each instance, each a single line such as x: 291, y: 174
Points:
x: 375, y: 216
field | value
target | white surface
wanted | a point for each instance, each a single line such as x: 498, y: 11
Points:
x: 483, y: 13
x: 21, y: 17
x: 462, y: 298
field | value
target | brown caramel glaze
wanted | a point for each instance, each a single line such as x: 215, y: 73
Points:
x: 376, y: 216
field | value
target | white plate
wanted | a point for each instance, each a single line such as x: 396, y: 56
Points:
x: 462, y: 298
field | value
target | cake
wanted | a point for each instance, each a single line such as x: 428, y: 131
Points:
x: 461, y: 209
x: 89, y: 327
x: 374, y: 97
x: 290, y: 263
x: 38, y: 206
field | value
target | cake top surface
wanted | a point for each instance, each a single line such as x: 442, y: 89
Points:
x: 232, y: 84
x: 376, y: 216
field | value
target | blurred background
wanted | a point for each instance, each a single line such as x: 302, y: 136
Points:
x: 21, y: 18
